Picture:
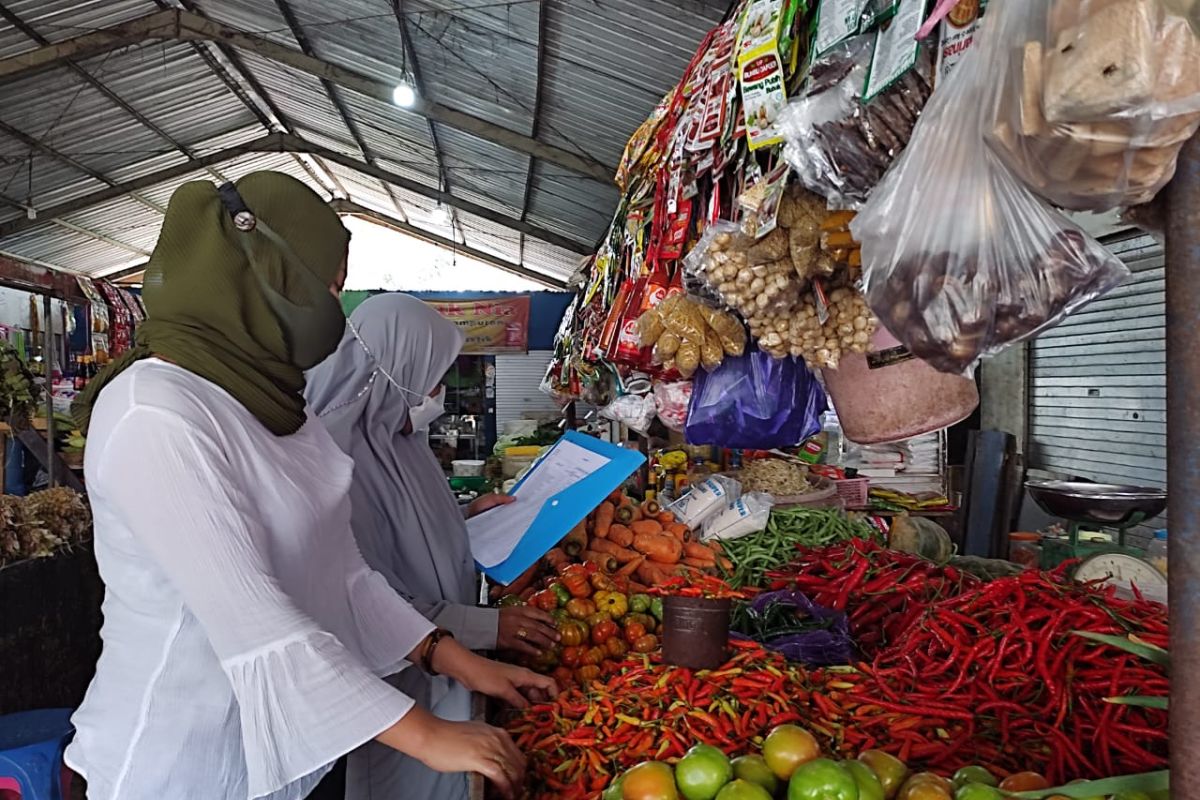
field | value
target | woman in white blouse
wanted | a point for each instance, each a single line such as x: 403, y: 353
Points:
x: 245, y: 639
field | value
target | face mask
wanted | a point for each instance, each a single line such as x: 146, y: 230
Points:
x: 430, y: 409
x: 424, y: 413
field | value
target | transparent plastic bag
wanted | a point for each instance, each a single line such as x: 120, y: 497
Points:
x: 1096, y: 97
x: 671, y: 400
x: 839, y: 146
x: 705, y: 499
x: 744, y: 516
x: 960, y: 258
x: 755, y: 402
x: 633, y: 411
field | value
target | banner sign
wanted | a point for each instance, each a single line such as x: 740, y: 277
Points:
x: 491, y: 326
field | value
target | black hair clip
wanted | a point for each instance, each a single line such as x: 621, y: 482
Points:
x: 243, y: 218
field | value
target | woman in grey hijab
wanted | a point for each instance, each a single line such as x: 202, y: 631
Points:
x: 377, y: 395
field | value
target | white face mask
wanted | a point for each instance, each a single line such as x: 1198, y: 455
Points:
x: 424, y: 413
x: 430, y: 409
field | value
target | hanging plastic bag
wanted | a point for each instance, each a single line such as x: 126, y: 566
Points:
x: 671, y: 399
x: 839, y: 145
x: 960, y: 258
x: 633, y: 411
x: 755, y: 402
x: 1095, y: 97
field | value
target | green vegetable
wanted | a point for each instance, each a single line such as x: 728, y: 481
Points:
x: 777, y: 619
x: 822, y: 779
x: 564, y: 596
x: 869, y: 787
x: 974, y: 774
x: 639, y: 603
x: 787, y: 529
x: 656, y: 608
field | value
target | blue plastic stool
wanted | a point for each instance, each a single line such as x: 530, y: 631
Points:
x: 31, y: 749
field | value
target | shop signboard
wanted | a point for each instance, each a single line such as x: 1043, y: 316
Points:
x: 498, y: 325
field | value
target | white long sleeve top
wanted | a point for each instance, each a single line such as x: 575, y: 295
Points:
x: 244, y: 636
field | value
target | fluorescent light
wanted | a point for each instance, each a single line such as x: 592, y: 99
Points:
x: 404, y: 96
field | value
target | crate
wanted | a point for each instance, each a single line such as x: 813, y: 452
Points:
x: 854, y: 492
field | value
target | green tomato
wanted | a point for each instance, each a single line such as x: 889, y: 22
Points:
x: 869, y: 786
x: 743, y: 790
x: 754, y: 769
x: 656, y: 608
x: 974, y: 775
x: 613, y: 792
x: 822, y: 779
x: 639, y: 603
x: 977, y: 791
x: 890, y: 770
x: 561, y: 593
x: 702, y: 772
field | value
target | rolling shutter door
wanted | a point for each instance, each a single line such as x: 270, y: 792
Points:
x: 1098, y: 381
x: 518, y: 376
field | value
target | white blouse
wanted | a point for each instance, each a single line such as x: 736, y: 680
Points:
x: 244, y: 636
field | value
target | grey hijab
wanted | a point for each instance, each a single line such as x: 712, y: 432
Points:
x: 406, y: 521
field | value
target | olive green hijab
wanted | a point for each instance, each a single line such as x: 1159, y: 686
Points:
x: 247, y: 310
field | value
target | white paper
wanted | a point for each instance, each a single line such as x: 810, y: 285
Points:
x: 497, y: 532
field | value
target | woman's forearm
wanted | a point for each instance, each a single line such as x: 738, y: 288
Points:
x: 411, y: 734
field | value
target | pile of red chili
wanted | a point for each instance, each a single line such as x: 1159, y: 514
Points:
x: 647, y: 710
x: 882, y: 591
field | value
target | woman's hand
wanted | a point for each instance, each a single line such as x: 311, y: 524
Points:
x: 526, y: 629
x: 459, y: 747
x: 485, y: 501
x: 514, y: 685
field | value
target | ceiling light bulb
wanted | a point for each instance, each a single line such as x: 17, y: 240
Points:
x: 404, y: 96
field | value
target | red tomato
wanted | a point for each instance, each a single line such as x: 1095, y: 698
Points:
x: 604, y: 631
x: 634, y: 631
x: 571, y: 656
x: 592, y: 656
x: 646, y: 644
x: 616, y: 648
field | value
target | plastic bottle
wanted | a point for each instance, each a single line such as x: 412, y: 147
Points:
x: 1156, y: 552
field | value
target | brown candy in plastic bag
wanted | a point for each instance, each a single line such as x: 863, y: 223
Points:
x: 730, y: 333
x: 711, y: 352
x: 650, y: 326
x: 665, y: 348
x: 684, y: 320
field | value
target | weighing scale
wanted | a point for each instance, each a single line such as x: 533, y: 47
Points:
x: 1104, y: 506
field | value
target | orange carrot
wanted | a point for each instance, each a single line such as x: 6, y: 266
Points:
x: 604, y: 519
x: 636, y: 511
x: 700, y: 551
x: 631, y: 567
x: 622, y: 554
x: 621, y: 535
x: 679, y: 531
x: 654, y: 574
x: 699, y: 563
x: 659, y: 547
x: 665, y: 518
x: 624, y: 514
x: 617, y: 497
x: 651, y: 508
x: 555, y: 557
x: 575, y: 540
x: 638, y: 588
x: 646, y: 526
x: 605, y: 561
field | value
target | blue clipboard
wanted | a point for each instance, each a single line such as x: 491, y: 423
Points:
x: 568, y: 508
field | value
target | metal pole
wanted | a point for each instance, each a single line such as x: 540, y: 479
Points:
x: 1183, y: 467
x: 48, y: 377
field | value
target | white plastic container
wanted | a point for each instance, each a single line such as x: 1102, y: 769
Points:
x: 888, y: 394
x: 467, y: 468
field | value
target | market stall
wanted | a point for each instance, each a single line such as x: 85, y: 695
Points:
x: 852, y: 205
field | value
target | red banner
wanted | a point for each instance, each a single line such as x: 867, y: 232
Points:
x: 491, y: 326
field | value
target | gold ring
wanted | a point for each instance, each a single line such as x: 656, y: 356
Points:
x: 522, y: 633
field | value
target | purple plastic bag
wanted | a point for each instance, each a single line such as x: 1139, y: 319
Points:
x: 755, y: 402
x: 826, y: 647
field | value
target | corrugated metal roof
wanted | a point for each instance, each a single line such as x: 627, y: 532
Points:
x: 606, y: 64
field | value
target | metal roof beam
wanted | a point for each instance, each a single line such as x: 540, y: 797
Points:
x: 353, y: 209
x: 287, y: 143
x: 185, y: 26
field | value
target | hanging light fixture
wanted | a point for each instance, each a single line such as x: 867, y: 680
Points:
x: 404, y: 95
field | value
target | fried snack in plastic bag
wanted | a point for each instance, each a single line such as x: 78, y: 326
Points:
x: 665, y: 348
x: 687, y: 358
x: 650, y: 326
x: 960, y: 259
x: 684, y: 320
x: 730, y: 332
x: 711, y: 352
x: 1096, y: 98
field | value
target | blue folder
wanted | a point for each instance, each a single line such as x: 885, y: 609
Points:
x: 565, y: 510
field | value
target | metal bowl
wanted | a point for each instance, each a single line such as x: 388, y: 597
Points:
x: 1098, y: 503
